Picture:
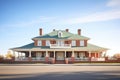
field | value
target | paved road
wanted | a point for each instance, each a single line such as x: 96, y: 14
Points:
x: 59, y: 72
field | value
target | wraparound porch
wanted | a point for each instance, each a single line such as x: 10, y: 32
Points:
x: 57, y: 56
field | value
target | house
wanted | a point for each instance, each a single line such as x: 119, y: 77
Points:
x: 60, y: 46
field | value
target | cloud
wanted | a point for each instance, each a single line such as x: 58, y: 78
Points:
x: 95, y: 17
x: 113, y: 3
x: 41, y: 19
x: 98, y: 16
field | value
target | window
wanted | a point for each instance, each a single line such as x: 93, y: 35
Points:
x: 39, y: 43
x: 47, y: 43
x: 59, y: 34
x: 78, y: 56
x: 68, y: 54
x: 73, y: 43
x: 43, y: 54
x: 82, y: 43
x: 59, y: 42
x: 51, y: 54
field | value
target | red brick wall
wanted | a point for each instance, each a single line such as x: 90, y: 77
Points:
x: 35, y: 42
x: 69, y: 41
x: 43, y: 43
x: 85, y: 42
x: 77, y: 42
x: 52, y: 42
x: 86, y: 54
x: 92, y: 55
x: 97, y: 55
x: 66, y: 42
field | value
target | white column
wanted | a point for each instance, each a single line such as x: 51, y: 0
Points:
x: 73, y: 54
x: 29, y: 53
x: 18, y: 55
x: 21, y: 55
x: 46, y: 54
x: 14, y: 53
x: 65, y: 54
x: 89, y: 54
x: 95, y: 55
x: 105, y: 53
x: 54, y: 54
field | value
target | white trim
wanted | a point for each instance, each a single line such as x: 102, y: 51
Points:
x: 47, y: 43
x: 39, y: 43
x: 82, y: 43
x: 73, y: 43
x: 73, y: 54
x: 29, y: 53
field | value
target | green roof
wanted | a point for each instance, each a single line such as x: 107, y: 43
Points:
x: 65, y: 35
x: 30, y: 46
x: 89, y: 47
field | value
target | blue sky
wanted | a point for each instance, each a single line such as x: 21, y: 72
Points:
x: 99, y: 20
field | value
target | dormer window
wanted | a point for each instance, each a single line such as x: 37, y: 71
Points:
x: 59, y: 34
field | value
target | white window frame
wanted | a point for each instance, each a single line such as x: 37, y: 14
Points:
x: 39, y: 43
x: 60, y: 42
x: 82, y: 43
x: 47, y: 43
x: 59, y: 34
x: 73, y: 43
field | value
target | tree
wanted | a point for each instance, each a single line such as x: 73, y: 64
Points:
x: 9, y: 55
x: 117, y: 55
x: 1, y: 56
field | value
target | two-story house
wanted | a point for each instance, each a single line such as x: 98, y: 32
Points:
x: 59, y: 45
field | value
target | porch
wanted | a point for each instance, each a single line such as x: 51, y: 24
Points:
x: 58, y: 56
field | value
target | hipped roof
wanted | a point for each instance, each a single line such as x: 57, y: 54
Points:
x: 65, y: 35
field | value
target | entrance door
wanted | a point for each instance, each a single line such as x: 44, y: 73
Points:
x: 60, y: 56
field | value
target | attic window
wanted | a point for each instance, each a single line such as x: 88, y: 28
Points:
x: 59, y: 34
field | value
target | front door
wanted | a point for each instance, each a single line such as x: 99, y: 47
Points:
x: 60, y: 56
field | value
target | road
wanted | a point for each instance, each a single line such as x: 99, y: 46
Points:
x: 59, y: 72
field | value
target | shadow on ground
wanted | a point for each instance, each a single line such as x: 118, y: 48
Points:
x: 83, y: 75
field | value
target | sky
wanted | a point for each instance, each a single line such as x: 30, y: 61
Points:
x: 99, y: 20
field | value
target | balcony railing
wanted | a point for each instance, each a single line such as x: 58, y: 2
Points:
x: 60, y: 45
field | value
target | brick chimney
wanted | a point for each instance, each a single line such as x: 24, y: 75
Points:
x: 40, y: 31
x: 67, y: 30
x: 79, y: 31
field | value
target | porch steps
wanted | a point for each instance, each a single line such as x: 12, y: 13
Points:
x: 59, y: 62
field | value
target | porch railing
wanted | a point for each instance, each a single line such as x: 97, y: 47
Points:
x: 38, y: 59
x: 97, y: 59
x: 27, y: 59
x: 60, y: 45
x: 81, y: 59
x: 21, y: 59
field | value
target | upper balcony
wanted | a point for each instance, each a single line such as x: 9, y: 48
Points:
x: 60, y: 45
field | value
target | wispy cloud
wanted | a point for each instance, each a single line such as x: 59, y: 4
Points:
x: 41, y: 19
x: 107, y: 15
x: 99, y: 16
x: 113, y: 3
x: 93, y: 17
